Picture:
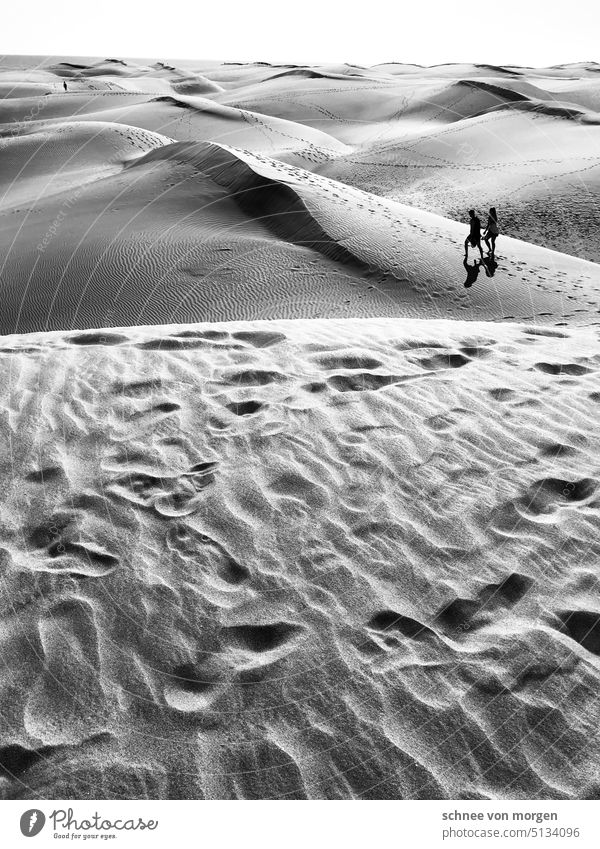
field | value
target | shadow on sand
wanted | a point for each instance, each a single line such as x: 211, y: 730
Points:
x: 488, y: 264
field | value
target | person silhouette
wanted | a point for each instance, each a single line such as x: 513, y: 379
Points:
x: 472, y: 271
x: 474, y: 237
x: 65, y: 85
x: 491, y: 230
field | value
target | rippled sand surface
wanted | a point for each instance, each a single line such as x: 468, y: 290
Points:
x: 323, y: 559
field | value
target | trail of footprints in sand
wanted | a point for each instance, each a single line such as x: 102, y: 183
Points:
x: 68, y: 629
x: 239, y: 633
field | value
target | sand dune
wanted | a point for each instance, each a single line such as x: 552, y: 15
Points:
x: 288, y: 511
x: 38, y: 164
x: 301, y: 560
x: 511, y: 157
x: 179, y: 116
x: 433, y: 138
x: 168, y: 238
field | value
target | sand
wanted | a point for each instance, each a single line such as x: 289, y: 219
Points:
x: 288, y: 511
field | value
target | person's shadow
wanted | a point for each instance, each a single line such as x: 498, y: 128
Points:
x: 472, y: 272
x: 490, y: 265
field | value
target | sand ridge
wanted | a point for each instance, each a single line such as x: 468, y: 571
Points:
x: 325, y: 248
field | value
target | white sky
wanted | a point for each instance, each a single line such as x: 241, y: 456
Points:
x: 525, y: 32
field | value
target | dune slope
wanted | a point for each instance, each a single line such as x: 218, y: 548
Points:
x: 202, y: 231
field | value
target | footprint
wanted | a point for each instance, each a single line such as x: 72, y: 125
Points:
x: 182, y: 500
x: 170, y: 343
x: 547, y: 495
x: 251, y: 377
x: 556, y: 449
x: 245, y: 408
x: 16, y: 759
x: 204, y: 553
x: 67, y: 702
x: 260, y: 338
x: 348, y: 361
x: 468, y: 614
x: 80, y: 558
x: 52, y: 530
x: 583, y: 626
x: 535, y: 673
x: 97, y: 338
x: 192, y: 688
x: 473, y: 351
x: 410, y: 344
x: 388, y: 621
x: 507, y: 592
x: 440, y: 361
x: 366, y: 381
x: 440, y: 422
x: 461, y: 615
x: 168, y: 496
x: 138, y: 387
x: 562, y: 368
x: 211, y: 335
x: 139, y: 487
x: 46, y: 475
x: 259, y: 639
x: 503, y: 394
x: 314, y: 388
x: 164, y: 408
x: 202, y: 474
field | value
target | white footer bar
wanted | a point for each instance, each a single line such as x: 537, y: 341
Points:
x: 288, y: 824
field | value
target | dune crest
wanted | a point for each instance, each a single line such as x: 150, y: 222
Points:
x: 328, y: 250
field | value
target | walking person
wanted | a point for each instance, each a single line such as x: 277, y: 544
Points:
x: 65, y: 85
x: 491, y: 231
x: 474, y: 237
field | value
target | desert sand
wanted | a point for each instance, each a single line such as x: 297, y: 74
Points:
x: 288, y: 511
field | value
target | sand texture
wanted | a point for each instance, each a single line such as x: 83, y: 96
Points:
x: 288, y: 512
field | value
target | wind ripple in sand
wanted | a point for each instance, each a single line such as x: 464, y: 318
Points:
x: 300, y: 560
